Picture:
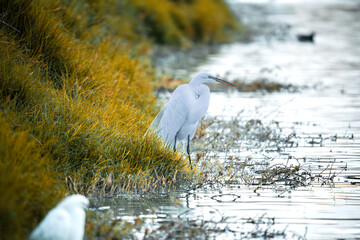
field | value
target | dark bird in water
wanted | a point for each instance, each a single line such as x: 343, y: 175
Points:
x: 306, y: 37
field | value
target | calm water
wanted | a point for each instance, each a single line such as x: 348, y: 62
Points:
x: 327, y: 103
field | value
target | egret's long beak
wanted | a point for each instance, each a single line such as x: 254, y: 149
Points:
x: 222, y: 81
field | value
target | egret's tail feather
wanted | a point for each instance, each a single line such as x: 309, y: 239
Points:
x: 154, y: 126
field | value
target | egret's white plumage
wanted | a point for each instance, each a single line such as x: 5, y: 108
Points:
x: 64, y: 222
x: 178, y: 119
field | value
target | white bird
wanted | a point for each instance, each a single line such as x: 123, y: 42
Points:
x: 64, y: 222
x: 178, y: 119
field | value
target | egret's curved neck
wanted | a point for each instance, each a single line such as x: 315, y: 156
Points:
x: 202, y: 102
x: 195, y: 82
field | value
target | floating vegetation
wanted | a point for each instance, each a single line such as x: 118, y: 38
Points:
x: 231, y: 135
x: 266, y: 80
x: 258, y: 85
x: 226, y: 155
x: 265, y: 85
x: 261, y: 84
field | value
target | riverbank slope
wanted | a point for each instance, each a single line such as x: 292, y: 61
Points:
x: 76, y: 97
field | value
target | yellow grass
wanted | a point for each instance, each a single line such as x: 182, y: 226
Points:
x: 27, y: 182
x: 76, y: 97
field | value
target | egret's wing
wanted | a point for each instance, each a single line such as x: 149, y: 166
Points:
x: 55, y: 225
x: 175, y: 113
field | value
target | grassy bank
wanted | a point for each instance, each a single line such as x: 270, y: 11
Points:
x: 76, y: 97
x: 176, y: 23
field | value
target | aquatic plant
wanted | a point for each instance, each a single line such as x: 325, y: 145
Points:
x: 255, y: 154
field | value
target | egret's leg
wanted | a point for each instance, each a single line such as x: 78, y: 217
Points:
x: 175, y: 142
x: 188, y: 150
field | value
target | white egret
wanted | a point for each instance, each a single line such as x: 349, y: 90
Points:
x: 64, y: 222
x: 178, y: 119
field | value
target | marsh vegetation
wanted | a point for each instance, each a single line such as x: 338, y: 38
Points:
x: 77, y: 96
x: 78, y: 81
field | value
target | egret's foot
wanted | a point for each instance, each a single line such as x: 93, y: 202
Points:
x: 190, y: 162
